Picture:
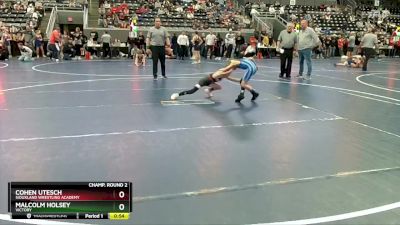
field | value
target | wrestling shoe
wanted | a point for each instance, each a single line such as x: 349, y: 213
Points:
x: 174, y: 96
x: 208, y: 93
x: 255, y: 96
x: 239, y: 98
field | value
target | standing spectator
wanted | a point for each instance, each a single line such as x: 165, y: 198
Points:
x: 368, y: 42
x: 29, y: 36
x: 210, y: 42
x: 196, y: 40
x: 174, y: 43
x: 3, y: 52
x: 218, y: 47
x: 39, y: 44
x: 54, y: 44
x: 391, y: 45
x: 203, y: 49
x: 341, y: 41
x: 332, y: 47
x: 106, y: 40
x: 308, y: 39
x: 327, y: 46
x: 141, y: 40
x: 239, y: 41
x: 131, y: 45
x: 183, y: 42
x: 229, y: 42
x: 352, y: 45
x: 157, y: 39
x: 287, y: 41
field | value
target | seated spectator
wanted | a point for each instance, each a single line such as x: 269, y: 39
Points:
x: 140, y: 58
x: 107, y: 5
x: 282, y: 10
x: 169, y: 53
x: 254, y: 12
x: 121, y: 16
x: 72, y: 3
x: 30, y: 10
x: 263, y: 6
x: 26, y: 52
x: 102, y: 10
x: 68, y: 50
x: 271, y: 9
x: 157, y: 4
x: 38, y: 5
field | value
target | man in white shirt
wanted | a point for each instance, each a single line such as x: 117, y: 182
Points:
x: 229, y: 43
x: 271, y: 9
x: 254, y: 12
x: 282, y: 10
x: 210, y: 42
x: 183, y: 42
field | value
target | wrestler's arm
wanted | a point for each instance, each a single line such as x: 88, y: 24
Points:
x: 232, y: 65
x: 233, y: 79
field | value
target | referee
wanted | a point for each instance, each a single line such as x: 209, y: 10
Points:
x: 287, y: 41
x: 368, y: 43
x: 157, y: 39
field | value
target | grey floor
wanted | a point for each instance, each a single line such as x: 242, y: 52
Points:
x: 104, y: 120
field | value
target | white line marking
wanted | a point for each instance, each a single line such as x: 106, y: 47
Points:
x: 316, y: 75
x: 35, y: 68
x: 374, y: 128
x: 352, y: 121
x: 361, y: 96
x: 4, y: 65
x: 187, y: 102
x: 99, y: 106
x: 95, y: 80
x: 168, y: 130
x: 286, y: 181
x: 82, y: 106
x: 388, y: 78
x: 339, y: 217
x: 7, y: 217
x: 374, y: 86
x: 106, y: 90
x: 328, y: 87
x: 65, y: 82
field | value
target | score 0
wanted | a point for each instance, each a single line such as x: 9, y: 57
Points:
x: 122, y: 196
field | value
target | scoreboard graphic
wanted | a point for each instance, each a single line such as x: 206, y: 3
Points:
x: 70, y: 200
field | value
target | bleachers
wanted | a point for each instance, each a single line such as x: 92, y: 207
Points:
x: 64, y: 5
x: 178, y: 20
x: 336, y: 22
x: 394, y: 20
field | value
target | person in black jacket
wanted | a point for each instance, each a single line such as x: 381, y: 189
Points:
x: 239, y: 41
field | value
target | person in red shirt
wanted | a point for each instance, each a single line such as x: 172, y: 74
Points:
x: 54, y: 44
x: 391, y: 46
